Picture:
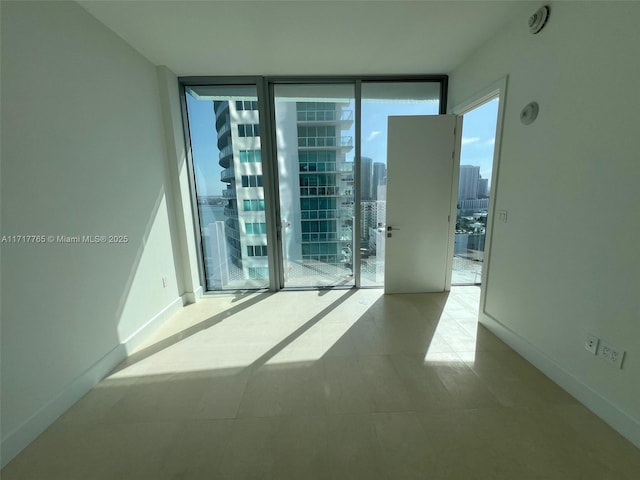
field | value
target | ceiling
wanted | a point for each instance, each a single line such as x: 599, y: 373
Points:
x: 305, y: 36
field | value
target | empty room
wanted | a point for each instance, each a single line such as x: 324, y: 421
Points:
x: 213, y: 266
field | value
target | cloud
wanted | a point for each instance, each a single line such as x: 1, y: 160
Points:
x: 467, y: 140
x: 491, y: 141
x: 373, y: 135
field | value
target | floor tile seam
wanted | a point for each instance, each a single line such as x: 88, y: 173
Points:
x: 475, y: 375
x: 380, y: 447
x: 158, y: 419
x: 330, y: 414
x: 105, y: 426
x: 409, y: 388
x: 390, y: 474
x: 440, y: 338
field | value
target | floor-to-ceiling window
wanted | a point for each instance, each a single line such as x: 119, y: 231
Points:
x: 224, y: 126
x: 380, y: 100
x: 302, y: 224
x: 314, y: 128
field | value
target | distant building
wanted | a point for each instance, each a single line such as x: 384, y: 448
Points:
x: 317, y: 198
x: 476, y: 204
x: 468, y: 185
x: 483, y: 187
x: 368, y: 220
x: 379, y: 177
x: 366, y: 177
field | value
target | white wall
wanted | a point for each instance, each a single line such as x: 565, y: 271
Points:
x: 83, y: 153
x: 185, y: 251
x: 567, y: 262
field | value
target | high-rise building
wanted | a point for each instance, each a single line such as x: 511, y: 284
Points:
x: 317, y: 195
x: 237, y: 125
x: 368, y: 220
x: 366, y: 177
x: 483, y: 187
x: 468, y: 186
x: 316, y: 200
x: 379, y: 177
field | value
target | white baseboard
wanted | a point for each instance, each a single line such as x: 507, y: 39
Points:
x: 192, y: 297
x: 15, y: 441
x: 145, y: 331
x: 623, y: 423
x: 26, y: 433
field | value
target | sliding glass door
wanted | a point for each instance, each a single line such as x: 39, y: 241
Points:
x: 224, y: 127
x: 314, y: 127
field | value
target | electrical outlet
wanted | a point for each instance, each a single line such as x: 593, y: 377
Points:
x: 591, y: 344
x: 165, y: 282
x: 612, y: 354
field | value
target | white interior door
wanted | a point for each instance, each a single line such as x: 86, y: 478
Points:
x: 420, y: 202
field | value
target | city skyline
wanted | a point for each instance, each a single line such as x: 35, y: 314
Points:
x: 477, y: 149
x: 314, y: 140
x: 373, y: 143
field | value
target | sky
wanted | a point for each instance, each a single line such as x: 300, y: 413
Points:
x: 478, y: 136
x: 374, y: 124
x: 202, y: 121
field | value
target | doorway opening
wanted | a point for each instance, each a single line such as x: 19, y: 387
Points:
x: 476, y: 171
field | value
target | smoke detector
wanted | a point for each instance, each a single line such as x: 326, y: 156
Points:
x: 529, y: 113
x: 538, y: 20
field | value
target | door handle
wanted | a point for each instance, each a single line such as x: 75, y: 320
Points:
x: 389, y: 230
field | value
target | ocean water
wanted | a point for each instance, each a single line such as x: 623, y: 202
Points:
x: 210, y: 214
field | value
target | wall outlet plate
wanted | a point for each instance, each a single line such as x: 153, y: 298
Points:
x: 591, y: 344
x: 612, y: 354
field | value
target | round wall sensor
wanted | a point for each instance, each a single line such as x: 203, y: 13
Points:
x: 538, y: 19
x: 529, y: 113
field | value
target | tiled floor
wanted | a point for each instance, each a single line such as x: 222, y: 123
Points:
x: 327, y: 385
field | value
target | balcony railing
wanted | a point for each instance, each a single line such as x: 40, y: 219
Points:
x: 228, y: 150
x: 319, y: 191
x: 230, y: 212
x: 330, y: 142
x: 226, y: 156
x: 226, y: 126
x: 221, y: 107
x: 227, y: 174
x: 229, y: 193
x: 325, y: 116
